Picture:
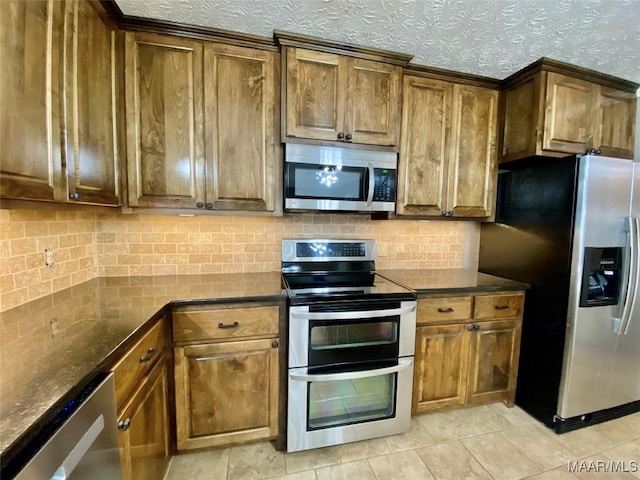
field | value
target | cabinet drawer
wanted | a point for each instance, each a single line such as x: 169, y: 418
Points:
x: 498, y: 306
x: 227, y: 323
x: 138, y: 361
x: 443, y: 310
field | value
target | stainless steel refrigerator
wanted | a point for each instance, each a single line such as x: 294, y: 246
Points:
x: 569, y: 227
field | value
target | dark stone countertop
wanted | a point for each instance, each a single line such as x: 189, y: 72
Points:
x: 52, y: 347
x: 451, y: 281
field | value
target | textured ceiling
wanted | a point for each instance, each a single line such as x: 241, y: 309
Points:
x: 494, y: 38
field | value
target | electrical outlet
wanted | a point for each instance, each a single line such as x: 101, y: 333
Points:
x: 48, y: 257
x: 53, y: 324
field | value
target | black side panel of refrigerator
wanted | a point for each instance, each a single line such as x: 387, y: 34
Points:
x: 531, y: 242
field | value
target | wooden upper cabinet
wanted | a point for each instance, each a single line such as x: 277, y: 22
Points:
x: 553, y: 114
x: 472, y: 159
x: 447, y: 160
x: 242, y: 150
x: 616, y: 122
x: 165, y: 137
x: 30, y: 48
x: 424, y: 153
x: 338, y: 98
x: 568, y: 124
x: 91, y: 147
x: 315, y: 94
x: 372, y: 102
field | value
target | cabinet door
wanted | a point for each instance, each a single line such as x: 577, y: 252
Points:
x: 91, y: 150
x: 30, y: 161
x: 165, y: 137
x: 315, y: 94
x: 240, y: 122
x: 372, y: 102
x: 493, y: 361
x: 569, y: 107
x: 615, y: 123
x: 441, y: 363
x: 521, y: 115
x: 422, y: 177
x: 472, y: 159
x: 144, y: 428
x: 226, y: 393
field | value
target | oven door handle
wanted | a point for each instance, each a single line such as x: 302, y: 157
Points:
x: 353, y: 315
x: 403, y: 363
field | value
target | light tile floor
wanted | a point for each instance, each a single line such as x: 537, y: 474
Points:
x: 489, y: 442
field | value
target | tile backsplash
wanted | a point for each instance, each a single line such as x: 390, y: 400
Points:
x: 86, y: 245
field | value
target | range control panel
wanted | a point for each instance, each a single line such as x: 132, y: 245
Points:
x: 330, y: 249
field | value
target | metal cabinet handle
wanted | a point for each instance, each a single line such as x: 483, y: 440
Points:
x: 403, y: 363
x: 450, y: 213
x: 74, y: 196
x: 228, y: 325
x: 144, y: 359
x: 352, y: 315
x: 473, y: 327
x: 151, y: 350
x: 124, y: 424
x: 209, y: 206
x: 501, y: 307
x: 199, y: 204
x: 348, y: 137
x: 274, y: 344
x: 445, y: 310
x: 340, y: 136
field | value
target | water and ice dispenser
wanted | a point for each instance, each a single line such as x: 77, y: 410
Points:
x: 601, y: 276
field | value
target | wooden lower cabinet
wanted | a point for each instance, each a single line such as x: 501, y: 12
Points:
x: 144, y: 427
x: 471, y: 361
x: 226, y: 392
x: 440, y: 373
x: 494, y: 348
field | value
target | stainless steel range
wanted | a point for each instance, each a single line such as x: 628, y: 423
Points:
x: 351, y: 344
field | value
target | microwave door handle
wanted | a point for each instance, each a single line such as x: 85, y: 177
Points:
x: 372, y: 184
x: 621, y: 324
x: 352, y: 315
x: 403, y: 363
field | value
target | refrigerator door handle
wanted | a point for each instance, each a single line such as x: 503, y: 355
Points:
x: 621, y: 324
x: 635, y: 255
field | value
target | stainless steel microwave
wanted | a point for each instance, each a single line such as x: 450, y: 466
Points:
x: 339, y: 179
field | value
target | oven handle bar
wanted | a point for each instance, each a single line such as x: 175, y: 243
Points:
x: 403, y: 363
x: 352, y: 315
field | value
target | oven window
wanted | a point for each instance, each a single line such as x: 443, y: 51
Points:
x: 343, y: 402
x: 330, y: 337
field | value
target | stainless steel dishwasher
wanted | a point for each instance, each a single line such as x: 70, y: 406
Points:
x: 85, y: 445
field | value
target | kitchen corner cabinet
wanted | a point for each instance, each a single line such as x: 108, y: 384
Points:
x: 201, y: 125
x: 467, y: 350
x: 447, y: 164
x: 58, y: 93
x: 142, y: 395
x: 557, y: 115
x: 342, y: 99
x: 226, y: 374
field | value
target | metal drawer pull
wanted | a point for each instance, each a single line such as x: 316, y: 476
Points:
x: 228, y: 325
x: 445, y: 310
x: 144, y: 359
x: 501, y: 307
x: 473, y: 327
x: 151, y: 350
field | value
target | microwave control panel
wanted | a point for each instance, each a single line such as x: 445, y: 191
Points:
x: 385, y: 185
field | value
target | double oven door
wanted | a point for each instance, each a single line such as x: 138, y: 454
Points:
x: 350, y: 372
